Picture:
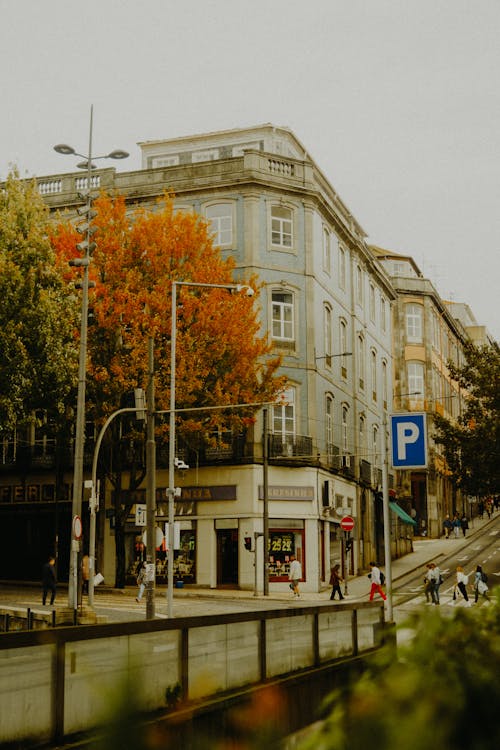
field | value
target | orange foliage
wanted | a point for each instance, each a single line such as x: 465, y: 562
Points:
x: 221, y: 359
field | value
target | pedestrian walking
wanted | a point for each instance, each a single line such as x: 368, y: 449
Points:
x: 457, y: 525
x: 447, y: 527
x: 435, y: 580
x: 85, y: 574
x: 427, y: 584
x: 376, y: 579
x: 335, y: 581
x: 480, y: 584
x: 461, y: 584
x: 141, y: 580
x: 49, y: 580
x: 464, y: 524
x: 295, y: 575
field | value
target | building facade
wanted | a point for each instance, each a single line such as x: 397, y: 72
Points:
x: 326, y: 305
x: 427, y: 334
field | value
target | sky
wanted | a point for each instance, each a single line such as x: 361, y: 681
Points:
x: 397, y: 101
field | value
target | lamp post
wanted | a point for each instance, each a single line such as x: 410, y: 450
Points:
x: 87, y: 247
x: 171, y: 437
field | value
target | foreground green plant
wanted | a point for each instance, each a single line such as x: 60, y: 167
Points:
x: 441, y: 690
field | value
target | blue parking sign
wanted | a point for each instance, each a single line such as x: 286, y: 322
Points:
x: 409, y: 441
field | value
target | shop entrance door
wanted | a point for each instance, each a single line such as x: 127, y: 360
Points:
x: 227, y: 557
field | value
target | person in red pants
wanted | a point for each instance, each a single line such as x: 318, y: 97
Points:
x: 376, y: 582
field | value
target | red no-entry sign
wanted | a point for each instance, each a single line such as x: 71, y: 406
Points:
x: 347, y: 523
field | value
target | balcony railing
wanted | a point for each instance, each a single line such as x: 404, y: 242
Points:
x: 290, y: 446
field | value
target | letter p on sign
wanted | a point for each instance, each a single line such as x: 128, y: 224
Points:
x: 409, y: 441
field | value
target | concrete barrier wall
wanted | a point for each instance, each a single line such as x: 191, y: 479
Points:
x: 58, y: 682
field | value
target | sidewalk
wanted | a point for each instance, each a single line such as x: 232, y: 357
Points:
x: 358, y: 587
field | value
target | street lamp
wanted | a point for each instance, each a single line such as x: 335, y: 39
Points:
x: 87, y: 246
x: 171, y: 438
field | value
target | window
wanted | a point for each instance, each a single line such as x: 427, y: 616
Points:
x: 373, y: 373
x: 343, y: 348
x: 281, y: 226
x: 372, y: 303
x: 341, y: 267
x: 327, y: 314
x: 416, y: 380
x: 327, y: 260
x: 376, y: 455
x: 361, y: 361
x: 359, y: 285
x: 220, y: 217
x: 383, y: 314
x: 282, y: 316
x: 209, y: 155
x: 165, y: 161
x: 329, y: 420
x: 384, y: 383
x: 414, y: 322
x: 284, y: 415
x: 362, y: 437
x: 345, y: 429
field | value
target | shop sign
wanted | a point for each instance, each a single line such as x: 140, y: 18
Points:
x: 280, y: 492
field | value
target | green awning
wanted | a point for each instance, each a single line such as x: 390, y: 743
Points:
x: 401, y: 513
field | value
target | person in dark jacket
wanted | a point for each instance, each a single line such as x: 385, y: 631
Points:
x: 49, y: 580
x: 335, y: 581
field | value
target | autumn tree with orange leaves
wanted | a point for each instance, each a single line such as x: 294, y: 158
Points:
x: 221, y: 358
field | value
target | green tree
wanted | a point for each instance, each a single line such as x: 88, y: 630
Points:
x: 221, y: 358
x: 439, y: 690
x: 38, y: 353
x: 472, y: 442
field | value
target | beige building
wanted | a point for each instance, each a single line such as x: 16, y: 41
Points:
x: 326, y: 305
x: 427, y: 334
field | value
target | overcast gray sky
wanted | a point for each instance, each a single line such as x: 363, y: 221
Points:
x: 397, y: 101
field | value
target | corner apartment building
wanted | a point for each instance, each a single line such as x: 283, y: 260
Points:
x: 326, y: 305
x: 427, y: 333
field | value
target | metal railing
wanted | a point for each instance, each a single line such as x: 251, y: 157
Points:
x: 68, y: 676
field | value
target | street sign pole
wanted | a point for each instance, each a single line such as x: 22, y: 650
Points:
x: 347, y: 525
x: 387, y: 524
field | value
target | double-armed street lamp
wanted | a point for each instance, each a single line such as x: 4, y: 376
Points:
x: 171, y: 438
x: 86, y: 247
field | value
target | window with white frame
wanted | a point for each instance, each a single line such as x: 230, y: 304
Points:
x: 209, y: 155
x: 282, y: 316
x: 343, y: 347
x: 328, y: 332
x: 383, y: 314
x: 362, y: 438
x: 165, y: 161
x: 373, y: 373
x: 414, y: 322
x: 372, y: 303
x: 284, y: 415
x: 361, y: 361
x: 329, y: 420
x: 281, y: 226
x: 220, y: 217
x: 375, y: 449
x: 384, y: 383
x: 327, y: 258
x: 342, y: 263
x: 359, y: 285
x: 345, y: 429
x: 416, y: 380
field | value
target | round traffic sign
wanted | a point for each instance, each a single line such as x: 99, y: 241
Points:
x: 77, y: 528
x: 347, y: 523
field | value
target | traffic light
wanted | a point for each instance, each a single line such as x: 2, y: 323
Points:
x: 87, y: 229
x: 348, y: 545
x: 248, y: 543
